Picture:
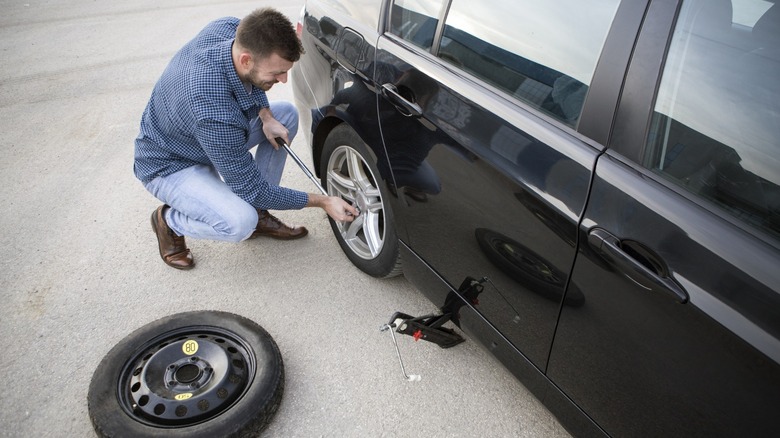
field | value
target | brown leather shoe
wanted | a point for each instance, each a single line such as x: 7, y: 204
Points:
x: 269, y: 225
x: 173, y: 249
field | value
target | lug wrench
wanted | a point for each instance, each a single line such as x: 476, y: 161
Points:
x: 299, y: 162
x: 302, y: 165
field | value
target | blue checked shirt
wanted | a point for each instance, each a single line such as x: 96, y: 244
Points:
x: 199, y: 113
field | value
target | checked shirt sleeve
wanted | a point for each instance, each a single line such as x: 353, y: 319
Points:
x: 199, y: 113
x: 221, y: 130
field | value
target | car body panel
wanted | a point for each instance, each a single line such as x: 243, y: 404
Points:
x: 708, y: 366
x: 486, y: 189
x: 708, y: 379
x: 504, y: 203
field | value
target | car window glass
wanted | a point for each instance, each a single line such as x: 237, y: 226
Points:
x: 416, y: 20
x: 715, y: 127
x: 364, y: 11
x: 541, y: 52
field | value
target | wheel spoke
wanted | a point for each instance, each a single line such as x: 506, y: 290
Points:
x: 357, y: 173
x: 352, y: 229
x: 374, y: 205
x: 352, y: 234
x: 343, y: 186
x: 372, y: 233
x: 362, y: 235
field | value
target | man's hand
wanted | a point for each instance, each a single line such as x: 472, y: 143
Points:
x: 337, y: 208
x: 272, y: 128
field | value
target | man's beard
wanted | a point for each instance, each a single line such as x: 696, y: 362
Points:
x: 265, y: 85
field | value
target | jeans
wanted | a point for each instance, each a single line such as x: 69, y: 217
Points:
x: 203, y: 206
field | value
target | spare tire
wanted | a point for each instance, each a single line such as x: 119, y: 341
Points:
x: 194, y: 374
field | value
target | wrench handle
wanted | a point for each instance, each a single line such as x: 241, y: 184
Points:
x: 300, y: 163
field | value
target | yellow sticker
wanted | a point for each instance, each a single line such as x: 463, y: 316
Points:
x: 190, y: 347
x: 184, y: 396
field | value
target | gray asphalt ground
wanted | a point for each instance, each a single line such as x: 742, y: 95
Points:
x: 79, y: 268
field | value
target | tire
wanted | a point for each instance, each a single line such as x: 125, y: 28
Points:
x: 194, y: 374
x: 348, y: 170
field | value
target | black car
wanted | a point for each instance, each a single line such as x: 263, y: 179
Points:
x: 596, y: 183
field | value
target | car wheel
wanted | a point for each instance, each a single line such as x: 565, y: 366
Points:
x: 370, y: 241
x: 194, y: 374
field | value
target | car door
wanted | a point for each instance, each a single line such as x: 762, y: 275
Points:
x: 681, y: 236
x: 479, y: 107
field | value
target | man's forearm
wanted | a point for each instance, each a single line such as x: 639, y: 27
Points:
x: 316, y: 200
x: 265, y: 113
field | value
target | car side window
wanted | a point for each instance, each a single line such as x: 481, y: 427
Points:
x: 541, y: 52
x: 416, y: 20
x: 716, y: 122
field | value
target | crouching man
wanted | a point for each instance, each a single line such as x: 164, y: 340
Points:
x: 206, y: 112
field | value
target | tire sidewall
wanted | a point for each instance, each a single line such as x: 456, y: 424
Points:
x: 250, y: 413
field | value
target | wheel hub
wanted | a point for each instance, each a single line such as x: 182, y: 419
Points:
x: 188, y: 373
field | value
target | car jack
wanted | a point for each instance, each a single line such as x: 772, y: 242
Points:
x: 428, y: 328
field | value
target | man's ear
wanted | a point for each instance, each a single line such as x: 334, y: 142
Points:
x: 245, y: 60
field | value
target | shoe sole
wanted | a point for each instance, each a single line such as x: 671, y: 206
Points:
x: 256, y: 234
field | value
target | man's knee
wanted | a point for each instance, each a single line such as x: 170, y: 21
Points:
x: 238, y: 224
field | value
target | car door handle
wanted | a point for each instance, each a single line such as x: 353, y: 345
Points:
x: 407, y: 108
x: 655, y: 279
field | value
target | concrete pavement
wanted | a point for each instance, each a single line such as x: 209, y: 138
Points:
x: 79, y: 268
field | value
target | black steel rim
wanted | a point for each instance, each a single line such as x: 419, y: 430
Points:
x: 186, y: 376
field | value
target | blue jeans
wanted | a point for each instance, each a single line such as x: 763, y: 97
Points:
x: 203, y: 206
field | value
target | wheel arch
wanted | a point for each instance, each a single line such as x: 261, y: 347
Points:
x: 321, y: 133
x: 324, y: 128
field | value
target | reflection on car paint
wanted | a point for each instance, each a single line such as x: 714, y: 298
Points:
x: 450, y: 109
x: 529, y: 269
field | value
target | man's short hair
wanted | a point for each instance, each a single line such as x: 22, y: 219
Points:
x: 266, y: 31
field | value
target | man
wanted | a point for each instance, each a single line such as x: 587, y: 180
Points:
x: 206, y: 112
